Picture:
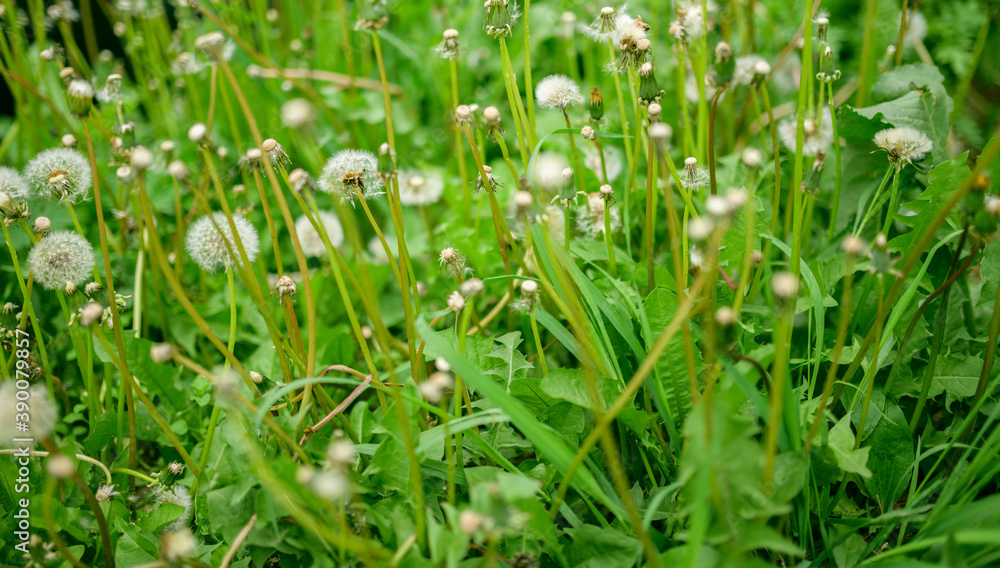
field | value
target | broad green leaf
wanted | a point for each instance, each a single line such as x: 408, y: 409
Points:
x: 891, y: 457
x: 600, y: 547
x: 841, y: 441
x: 512, y: 363
x: 943, y: 180
x: 956, y: 377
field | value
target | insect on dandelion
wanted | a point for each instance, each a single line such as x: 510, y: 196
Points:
x: 351, y: 173
x: 63, y: 259
x: 62, y: 174
x: 210, y: 238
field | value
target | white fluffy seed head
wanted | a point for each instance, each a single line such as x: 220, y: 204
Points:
x: 349, y: 172
x: 420, y: 188
x: 211, y: 44
x: 312, y: 243
x: 904, y: 145
x: 12, y: 184
x: 523, y: 199
x: 558, y: 91
x: 700, y: 228
x: 60, y: 259
x: 62, y: 174
x: 206, y: 241
x: 178, y: 545
x: 456, y: 302
x: 785, y: 285
x: 752, y: 157
x: 297, y: 113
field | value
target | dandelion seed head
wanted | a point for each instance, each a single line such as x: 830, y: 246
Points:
x: 904, y: 144
x: 60, y: 259
x: 175, y: 495
x: 62, y: 174
x: 12, y: 184
x: 817, y: 134
x: 419, y: 188
x: 752, y: 157
x: 785, y: 285
x: 558, y: 91
x: 197, y: 132
x: 297, y: 113
x: 456, y: 302
x: 350, y: 172
x: 177, y: 545
x: 746, y: 69
x: 206, y: 241
x: 309, y: 238
x: 591, y: 218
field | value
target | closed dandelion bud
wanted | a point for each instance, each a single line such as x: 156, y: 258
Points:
x: 61, y: 259
x: 456, y: 302
x: 471, y: 287
x: 275, y: 153
x: 42, y: 226
x: 80, y: 97
x: 852, y: 245
x: 596, y: 104
x: 60, y: 174
x: 828, y: 67
x: 810, y: 184
x: 882, y: 260
x: 197, y: 133
x: 60, y: 467
x: 725, y: 65
x: 68, y: 141
x: 498, y: 20
x: 785, y: 286
x: 261, y: 383
x: 210, y: 239
x: 162, y: 352
x: 91, y: 314
x: 170, y: 474
x: 567, y: 175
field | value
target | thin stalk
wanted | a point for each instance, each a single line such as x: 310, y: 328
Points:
x: 650, y: 178
x: 866, y: 55
x: 873, y: 367
x: 538, y: 343
x: 902, y: 33
x: 514, y: 100
x: 860, y: 226
x: 711, y: 142
x: 940, y: 325
x: 621, y: 107
x: 893, y: 203
x: 777, y: 393
x: 835, y: 205
x: 797, y: 170
x: 608, y: 239
x: 581, y: 182
x: 528, y: 84
x: 459, y: 147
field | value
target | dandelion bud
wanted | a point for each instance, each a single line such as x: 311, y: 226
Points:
x: 211, y: 44
x: 285, y: 287
x: 60, y: 467
x: 725, y: 65
x: 752, y: 157
x: 596, y: 103
x: 80, y: 96
x: 197, y: 133
x: 852, y: 245
x: 456, y: 302
x: 176, y: 546
x: 469, y: 521
x: 170, y: 474
x: 68, y: 141
x: 178, y: 170
x: 42, y: 226
x: 761, y: 70
x: 785, y: 286
x: 91, y: 314
x: 142, y: 158
x: 471, y: 287
x: 498, y: 20
x: 523, y: 199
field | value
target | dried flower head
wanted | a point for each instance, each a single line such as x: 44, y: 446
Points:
x: 453, y: 262
x: 211, y: 44
x: 591, y: 218
x: 456, y: 302
x: 694, y: 177
x: 297, y: 113
x: 61, y: 259
x: 309, y: 237
x: 350, y: 173
x: 558, y: 91
x: 418, y: 188
x: 904, y: 145
x: 210, y: 238
x: 62, y: 174
x: 449, y: 48
x: 605, y: 27
x: 490, y: 183
x: 500, y: 17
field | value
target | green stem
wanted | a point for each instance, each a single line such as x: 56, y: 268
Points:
x: 835, y: 205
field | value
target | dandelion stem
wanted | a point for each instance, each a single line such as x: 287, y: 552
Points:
x: 528, y: 84
x: 835, y: 205
x: 459, y: 147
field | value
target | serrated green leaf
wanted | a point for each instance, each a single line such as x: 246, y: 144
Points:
x: 512, y: 363
x: 842, y: 444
